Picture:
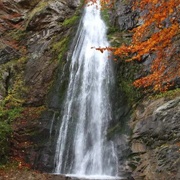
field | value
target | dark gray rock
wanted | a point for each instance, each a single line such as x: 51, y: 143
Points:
x: 7, y: 54
x: 43, y: 29
x: 49, y: 15
x: 123, y: 16
x: 155, y: 140
x: 73, y: 3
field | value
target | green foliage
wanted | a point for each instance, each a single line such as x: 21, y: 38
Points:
x: 38, y: 8
x: 125, y: 1
x: 125, y: 77
x: 61, y: 47
x: 9, y: 166
x: 168, y: 94
x: 9, y: 114
x: 105, y: 16
x: 11, y: 80
x: 5, y: 132
x: 130, y: 91
x: 11, y: 106
x: 6, y: 117
x: 15, y: 94
x: 71, y: 21
x: 17, y: 34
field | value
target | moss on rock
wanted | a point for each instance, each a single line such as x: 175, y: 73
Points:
x: 71, y: 21
x: 61, y: 47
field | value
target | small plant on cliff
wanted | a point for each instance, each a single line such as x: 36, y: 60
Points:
x: 159, y: 26
x: 7, y: 115
x: 5, y: 131
x: 11, y: 105
x: 61, y: 47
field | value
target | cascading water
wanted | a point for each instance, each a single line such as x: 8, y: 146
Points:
x: 82, y: 147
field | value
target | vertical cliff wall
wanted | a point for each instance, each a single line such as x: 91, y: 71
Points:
x: 154, y: 124
x: 35, y: 36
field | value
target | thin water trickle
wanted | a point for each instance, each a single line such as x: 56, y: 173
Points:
x: 82, y: 147
x: 52, y: 123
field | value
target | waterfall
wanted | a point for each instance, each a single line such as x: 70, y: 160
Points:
x: 82, y: 147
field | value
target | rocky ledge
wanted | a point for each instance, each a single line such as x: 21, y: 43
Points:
x: 155, y: 142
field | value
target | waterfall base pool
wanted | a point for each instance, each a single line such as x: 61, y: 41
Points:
x: 93, y: 177
x: 86, y: 177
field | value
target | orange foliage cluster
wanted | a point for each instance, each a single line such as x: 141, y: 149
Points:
x: 161, y: 18
x: 154, y: 36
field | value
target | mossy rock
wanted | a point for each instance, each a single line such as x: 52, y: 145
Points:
x: 61, y: 47
x: 71, y: 21
x: 38, y: 8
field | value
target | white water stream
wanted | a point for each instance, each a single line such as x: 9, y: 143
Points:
x: 82, y: 148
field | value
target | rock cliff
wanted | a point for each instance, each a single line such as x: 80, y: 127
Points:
x: 155, y: 139
x: 35, y: 37
x: 154, y: 124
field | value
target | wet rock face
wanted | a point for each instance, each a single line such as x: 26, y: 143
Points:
x: 123, y: 16
x: 30, y: 32
x: 73, y: 3
x: 43, y: 29
x: 155, y: 140
x: 29, y: 62
x: 49, y: 15
x: 6, y: 54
